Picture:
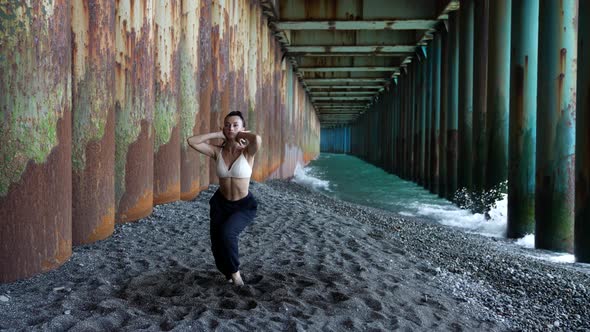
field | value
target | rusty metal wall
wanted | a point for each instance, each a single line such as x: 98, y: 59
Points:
x: 93, y: 120
x: 206, y: 83
x: 147, y: 75
x: 134, y: 104
x: 189, y: 98
x: 167, y: 34
x: 36, y: 167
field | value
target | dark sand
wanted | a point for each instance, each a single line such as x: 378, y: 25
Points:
x: 310, y: 263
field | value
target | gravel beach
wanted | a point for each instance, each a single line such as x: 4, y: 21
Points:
x: 310, y: 262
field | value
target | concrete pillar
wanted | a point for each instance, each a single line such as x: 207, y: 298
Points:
x: 556, y: 120
x: 465, y: 116
x: 498, y: 96
x: 582, y: 213
x: 523, y: 117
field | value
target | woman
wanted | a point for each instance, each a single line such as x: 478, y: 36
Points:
x: 232, y: 206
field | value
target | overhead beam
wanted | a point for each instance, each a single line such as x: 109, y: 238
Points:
x: 354, y: 54
x: 357, y: 25
x: 315, y: 49
x: 348, y: 68
x: 339, y: 98
x: 341, y: 93
x: 346, y: 80
x: 331, y: 87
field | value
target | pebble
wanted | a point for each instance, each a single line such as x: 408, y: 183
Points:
x: 4, y: 298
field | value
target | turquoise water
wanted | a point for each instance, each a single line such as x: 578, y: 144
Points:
x: 351, y: 179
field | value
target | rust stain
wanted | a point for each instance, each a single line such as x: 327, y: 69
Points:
x: 93, y: 189
x: 137, y: 201
x: 104, y: 229
x: 167, y: 170
x: 192, y: 192
x: 142, y: 208
x: 39, y: 237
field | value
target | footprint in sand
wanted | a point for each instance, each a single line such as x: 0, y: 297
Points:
x: 373, y: 304
x: 337, y: 297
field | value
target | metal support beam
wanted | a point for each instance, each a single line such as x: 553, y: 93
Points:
x: 452, y: 122
x: 345, y: 88
x: 444, y: 106
x: 498, y: 97
x: 480, y: 90
x: 582, y: 213
x: 465, y: 116
x: 435, y: 123
x: 523, y: 118
x: 347, y: 69
x: 368, y: 49
x: 556, y: 120
x: 357, y: 25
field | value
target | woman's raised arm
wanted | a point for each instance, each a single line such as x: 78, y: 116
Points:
x: 199, y: 143
x: 254, y: 141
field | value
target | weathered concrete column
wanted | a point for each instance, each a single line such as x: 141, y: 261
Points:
x: 422, y: 132
x: 93, y: 120
x: 523, y: 117
x: 403, y: 124
x: 435, y: 123
x: 498, y: 96
x: 166, y: 108
x: 397, y: 139
x: 134, y: 80
x: 480, y: 90
x: 444, y: 106
x: 412, y: 119
x: 415, y: 117
x: 452, y: 122
x: 428, y: 111
x: 582, y: 213
x: 427, y: 115
x: 465, y: 116
x: 36, y: 136
x: 556, y: 120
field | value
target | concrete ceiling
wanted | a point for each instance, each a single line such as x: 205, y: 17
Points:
x: 346, y: 52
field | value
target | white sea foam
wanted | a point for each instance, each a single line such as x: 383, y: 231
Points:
x: 304, y: 176
x: 528, y: 241
x: 450, y: 215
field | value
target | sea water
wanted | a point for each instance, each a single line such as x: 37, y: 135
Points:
x: 351, y: 179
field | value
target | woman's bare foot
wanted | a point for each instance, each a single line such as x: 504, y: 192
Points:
x: 237, y: 279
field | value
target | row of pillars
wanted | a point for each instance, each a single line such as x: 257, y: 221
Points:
x: 495, y: 98
x: 335, y: 140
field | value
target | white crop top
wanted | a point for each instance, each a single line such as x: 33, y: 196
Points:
x: 239, y: 169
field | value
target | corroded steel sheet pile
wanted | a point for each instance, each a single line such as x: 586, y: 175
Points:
x: 188, y: 98
x: 335, y: 140
x: 93, y: 120
x: 134, y: 104
x: 166, y: 108
x: 35, y: 131
x: 206, y: 83
x: 99, y: 98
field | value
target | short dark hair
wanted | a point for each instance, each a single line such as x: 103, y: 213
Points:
x: 236, y: 113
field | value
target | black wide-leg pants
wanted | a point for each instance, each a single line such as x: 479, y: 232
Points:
x: 228, y: 220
